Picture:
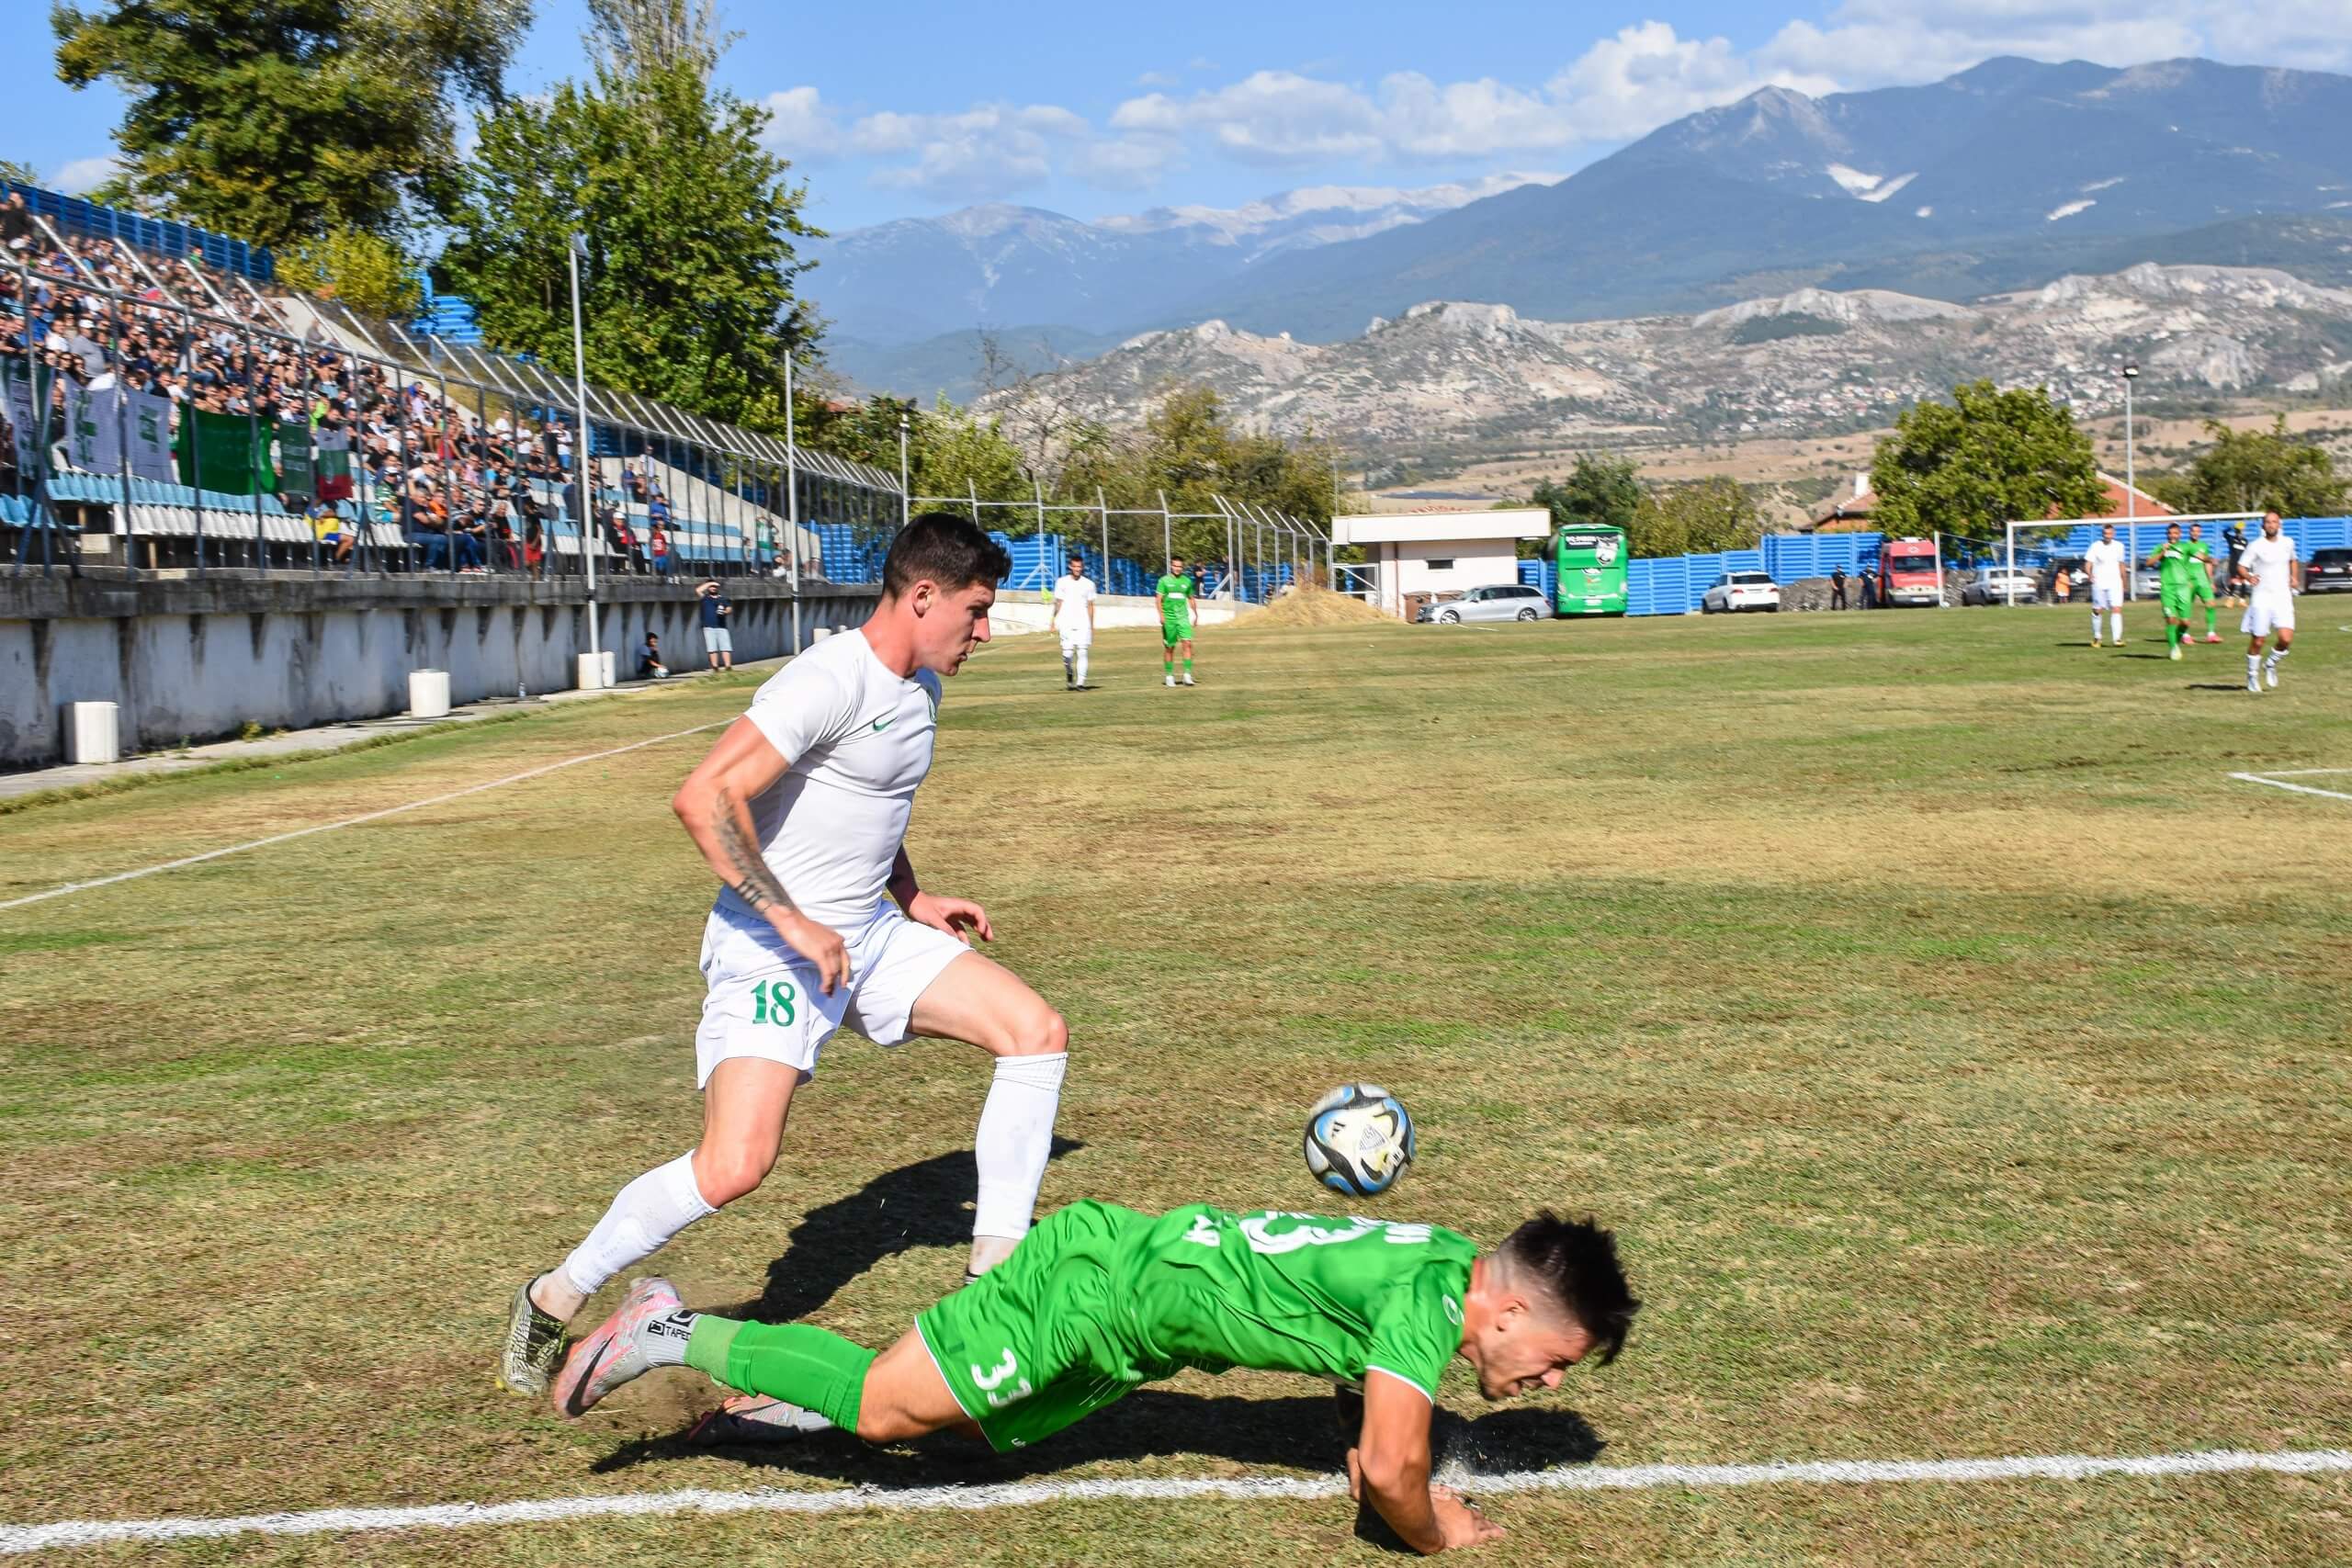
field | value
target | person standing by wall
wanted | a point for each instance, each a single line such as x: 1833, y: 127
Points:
x: 718, y: 637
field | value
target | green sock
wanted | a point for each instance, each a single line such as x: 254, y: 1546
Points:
x: 1168, y: 667
x: 813, y: 1367
x: 2209, y: 617
x: 1188, y: 667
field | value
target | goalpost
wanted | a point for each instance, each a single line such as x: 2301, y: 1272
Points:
x: 2044, y: 539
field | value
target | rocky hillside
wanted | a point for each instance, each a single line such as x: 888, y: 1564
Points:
x: 1465, y: 377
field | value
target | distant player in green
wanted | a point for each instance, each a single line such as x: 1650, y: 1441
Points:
x: 2175, y: 566
x: 2200, y: 577
x: 1098, y: 1300
x: 1175, y: 591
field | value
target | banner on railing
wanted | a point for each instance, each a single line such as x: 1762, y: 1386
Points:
x: 296, y: 474
x: 148, y: 424
x: 16, y: 388
x: 218, y: 452
x: 334, y: 449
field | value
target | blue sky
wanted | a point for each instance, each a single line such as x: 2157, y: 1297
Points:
x: 1093, y: 109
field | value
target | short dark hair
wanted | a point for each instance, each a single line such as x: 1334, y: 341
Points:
x: 1575, y: 1263
x: 945, y: 548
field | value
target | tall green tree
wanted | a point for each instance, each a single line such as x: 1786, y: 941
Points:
x: 1699, y: 518
x: 1985, y: 458
x: 276, y: 120
x: 689, y: 288
x: 2256, y: 470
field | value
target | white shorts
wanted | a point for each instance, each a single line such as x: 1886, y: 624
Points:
x: 2264, y: 616
x: 718, y: 639
x: 2106, y: 598
x: 763, y: 999
x: 1073, y: 641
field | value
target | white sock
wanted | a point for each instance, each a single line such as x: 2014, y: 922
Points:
x: 649, y: 1211
x: 1082, y: 664
x: 1067, y: 678
x: 2115, y: 626
x: 2275, y: 655
x: 2094, y: 625
x: 1015, y: 1136
x: 2253, y: 665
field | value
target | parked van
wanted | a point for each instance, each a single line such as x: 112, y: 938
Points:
x: 1906, y: 573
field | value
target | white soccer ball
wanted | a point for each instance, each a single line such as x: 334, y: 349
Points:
x: 1359, y: 1140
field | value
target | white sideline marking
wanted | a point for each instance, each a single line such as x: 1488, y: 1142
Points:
x: 2278, y: 781
x: 355, y: 821
x: 1593, y: 1478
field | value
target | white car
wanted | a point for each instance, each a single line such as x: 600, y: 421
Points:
x: 1502, y: 602
x: 1740, y: 591
x: 2001, y: 585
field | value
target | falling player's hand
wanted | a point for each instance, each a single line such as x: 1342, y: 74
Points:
x: 820, y: 945
x: 1460, y: 1521
x: 959, y: 918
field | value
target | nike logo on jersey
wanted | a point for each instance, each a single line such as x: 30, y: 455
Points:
x: 882, y: 724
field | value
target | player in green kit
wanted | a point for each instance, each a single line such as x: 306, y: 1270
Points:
x: 2200, y: 577
x: 2174, y: 568
x: 1175, y: 592
x: 1098, y: 1300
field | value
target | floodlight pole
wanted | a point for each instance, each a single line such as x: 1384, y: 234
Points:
x: 2131, y: 484
x: 588, y: 541
x: 906, y: 495
x: 792, y: 495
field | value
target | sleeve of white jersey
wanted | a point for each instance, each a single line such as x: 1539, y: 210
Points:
x: 808, y: 705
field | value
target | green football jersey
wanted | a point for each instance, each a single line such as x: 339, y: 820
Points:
x: 1328, y: 1296
x: 2172, y: 565
x: 1173, y: 593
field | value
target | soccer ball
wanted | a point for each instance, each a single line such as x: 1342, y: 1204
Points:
x: 1359, y: 1140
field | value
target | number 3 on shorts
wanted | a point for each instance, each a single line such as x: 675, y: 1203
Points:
x: 771, y: 1002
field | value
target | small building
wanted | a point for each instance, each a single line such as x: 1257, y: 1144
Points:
x: 1412, y: 557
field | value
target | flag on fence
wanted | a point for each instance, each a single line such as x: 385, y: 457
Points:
x: 296, y: 472
x: 93, y: 439
x: 24, y: 404
x: 218, y: 453
x: 150, y: 421
x: 332, y: 447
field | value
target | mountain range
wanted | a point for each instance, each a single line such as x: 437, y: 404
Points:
x: 2003, y: 177
x: 1446, y: 384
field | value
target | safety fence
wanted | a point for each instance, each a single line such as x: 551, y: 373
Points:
x: 1672, y: 585
x: 1264, y: 550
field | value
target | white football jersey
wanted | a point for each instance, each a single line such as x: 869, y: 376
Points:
x: 2271, y: 564
x: 2104, y: 559
x: 859, y: 738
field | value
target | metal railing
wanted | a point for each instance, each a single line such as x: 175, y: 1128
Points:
x: 1284, y: 548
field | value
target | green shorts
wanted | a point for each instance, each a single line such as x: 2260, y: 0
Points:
x: 2176, y: 598
x: 1043, y: 1338
x: 2200, y: 590
x: 1173, y: 632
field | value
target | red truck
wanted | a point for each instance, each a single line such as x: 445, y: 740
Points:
x: 1905, y: 574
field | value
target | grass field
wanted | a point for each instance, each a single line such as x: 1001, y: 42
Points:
x: 1960, y: 1055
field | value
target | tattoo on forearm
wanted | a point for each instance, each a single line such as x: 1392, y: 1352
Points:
x: 754, y: 882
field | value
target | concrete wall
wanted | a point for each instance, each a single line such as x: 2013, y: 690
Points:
x: 199, y: 659
x: 1476, y: 563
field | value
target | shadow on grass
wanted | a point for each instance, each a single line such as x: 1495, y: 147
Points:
x: 2216, y: 686
x: 928, y: 1204
x: 1298, y: 1432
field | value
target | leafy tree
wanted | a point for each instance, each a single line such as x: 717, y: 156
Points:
x: 1988, y: 457
x: 365, y: 271
x: 276, y: 120
x: 21, y: 174
x: 1598, y: 489
x: 2256, y: 470
x: 1700, y: 518
x: 689, y: 285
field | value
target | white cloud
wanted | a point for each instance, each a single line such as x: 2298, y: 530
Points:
x: 801, y: 126
x: 1620, y: 87
x: 85, y: 174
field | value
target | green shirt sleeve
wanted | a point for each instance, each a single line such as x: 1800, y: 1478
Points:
x: 1417, y: 1328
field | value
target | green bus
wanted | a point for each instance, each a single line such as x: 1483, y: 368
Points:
x: 1591, y: 558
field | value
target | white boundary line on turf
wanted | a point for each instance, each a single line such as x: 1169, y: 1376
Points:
x: 2279, y: 782
x: 17, y: 1539
x: 356, y: 822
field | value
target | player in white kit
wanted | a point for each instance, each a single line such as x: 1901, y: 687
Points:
x: 1074, y: 619
x: 2269, y: 564
x: 2104, y: 561
x: 801, y: 808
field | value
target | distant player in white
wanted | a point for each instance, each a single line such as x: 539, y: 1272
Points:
x: 1074, y: 619
x: 2105, y: 560
x: 2269, y: 564
x: 801, y: 809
